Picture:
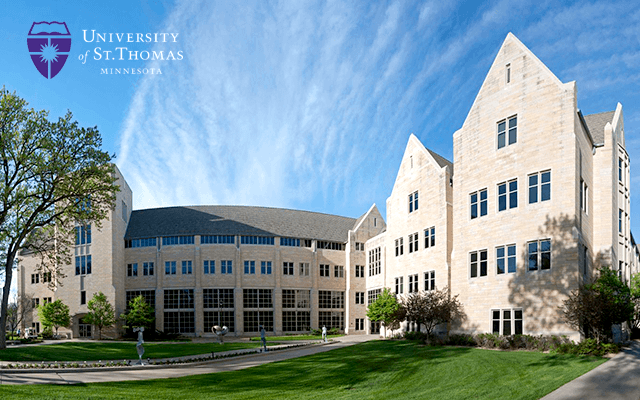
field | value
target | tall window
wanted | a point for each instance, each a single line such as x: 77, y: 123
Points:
x: 620, y: 164
x: 179, y: 315
x: 287, y: 268
x: 304, y: 269
x: 478, y: 203
x: 620, y: 214
x: 478, y: 263
x: 584, y: 196
x: 430, y: 280
x: 507, y: 322
x: 374, y: 262
x: 147, y: 268
x: 413, y: 201
x: 539, y: 254
x: 399, y: 284
x: 83, y: 234
x: 359, y: 297
x: 187, y: 268
x: 83, y: 265
x: 226, y: 267
x: 324, y: 270
x: 265, y: 267
x: 507, y: 76
x: 399, y: 247
x: 413, y: 283
x: 359, y: 271
x: 132, y: 269
x: 413, y: 242
x: 429, y: 237
x: 250, y: 267
x: 338, y: 271
x: 508, y: 195
x: 507, y: 129
x: 169, y: 267
x: 506, y: 259
x: 209, y: 266
x: 539, y: 187
x: 372, y: 296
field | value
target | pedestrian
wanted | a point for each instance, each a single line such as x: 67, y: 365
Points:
x: 324, y: 333
x: 263, y: 338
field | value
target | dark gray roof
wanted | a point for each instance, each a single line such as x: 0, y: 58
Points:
x: 237, y: 220
x: 441, y: 160
x: 596, y: 123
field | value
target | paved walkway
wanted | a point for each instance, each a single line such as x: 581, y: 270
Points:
x: 618, y: 378
x: 156, y: 372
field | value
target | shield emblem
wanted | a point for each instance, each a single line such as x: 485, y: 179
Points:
x: 49, y: 46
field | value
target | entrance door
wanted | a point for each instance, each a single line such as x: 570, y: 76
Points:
x: 375, y: 327
x: 84, y: 329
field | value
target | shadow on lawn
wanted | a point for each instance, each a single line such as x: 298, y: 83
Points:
x: 559, y: 360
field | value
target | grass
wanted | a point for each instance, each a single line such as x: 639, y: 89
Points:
x: 294, y: 337
x: 86, y: 351
x: 371, y: 370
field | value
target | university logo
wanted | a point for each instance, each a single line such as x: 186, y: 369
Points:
x: 49, y: 46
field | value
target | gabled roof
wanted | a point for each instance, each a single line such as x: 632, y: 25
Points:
x: 442, y: 162
x: 238, y: 220
x: 596, y: 123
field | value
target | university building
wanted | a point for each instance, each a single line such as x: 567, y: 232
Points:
x: 537, y: 198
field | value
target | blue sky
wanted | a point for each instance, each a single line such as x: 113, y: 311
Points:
x: 305, y: 104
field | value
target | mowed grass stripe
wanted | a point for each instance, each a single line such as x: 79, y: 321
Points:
x: 373, y: 370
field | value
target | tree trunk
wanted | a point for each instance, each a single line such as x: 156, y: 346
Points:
x: 8, y: 274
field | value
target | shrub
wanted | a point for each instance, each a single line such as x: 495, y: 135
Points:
x: 417, y: 336
x: 461, y: 340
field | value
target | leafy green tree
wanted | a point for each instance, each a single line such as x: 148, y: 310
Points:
x: 18, y: 311
x: 140, y: 313
x: 386, y: 309
x: 54, y: 314
x: 101, y: 313
x: 432, y: 308
x: 53, y: 176
x: 595, y: 307
x: 635, y: 297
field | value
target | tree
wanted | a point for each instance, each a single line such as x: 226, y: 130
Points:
x: 18, y: 311
x: 54, y: 314
x: 101, y: 313
x: 53, y: 175
x: 432, y: 308
x: 386, y: 309
x: 635, y: 297
x: 595, y: 307
x: 140, y: 313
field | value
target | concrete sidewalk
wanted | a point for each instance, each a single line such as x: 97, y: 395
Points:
x: 154, y: 372
x: 618, y: 378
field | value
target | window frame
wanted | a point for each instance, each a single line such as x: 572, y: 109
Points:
x: 478, y: 263
x: 509, y: 192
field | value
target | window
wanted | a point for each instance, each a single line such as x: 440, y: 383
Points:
x: 620, y: 213
x: 506, y: 259
x: 46, y: 300
x: 46, y: 277
x: 169, y: 267
x: 35, y: 302
x: 338, y: 271
x: 620, y: 170
x: 413, y: 283
x: 359, y: 271
x: 508, y: 195
x: 359, y: 297
x: 83, y: 265
x: 265, y: 267
x: 478, y: 261
x: 257, y: 298
x: 83, y: 234
x: 413, y: 242
x: 508, y: 73
x: 429, y: 237
x: 262, y: 240
x: 331, y: 319
x: 220, y: 318
x: 209, y: 267
x: 512, y: 131
x: 324, y: 245
x: 253, y: 319
x: 539, y: 187
x: 217, y: 298
x: 324, y: 270
x: 249, y: 267
x: 330, y: 299
x: 35, y: 278
x: 125, y: 213
x: 83, y: 297
x: 293, y: 242
x: 148, y: 295
x: 132, y: 269
x: 506, y: 322
x: 372, y: 296
x: 399, y: 283
x: 399, y: 247
x: 375, y: 267
x: 430, y: 280
x: 178, y: 299
x: 539, y: 254
x: 296, y: 321
x: 177, y: 240
x: 179, y: 321
x: 287, y: 268
x: 304, y: 269
x: 359, y: 246
x: 133, y: 243
x: 218, y: 239
x: 187, y: 268
x: 478, y: 199
x: 584, y: 196
x: 226, y: 267
x: 359, y: 324
x: 147, y: 268
x: 413, y: 201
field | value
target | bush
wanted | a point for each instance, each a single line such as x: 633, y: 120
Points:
x: 589, y: 347
x: 461, y: 340
x: 417, y: 336
x: 47, y: 333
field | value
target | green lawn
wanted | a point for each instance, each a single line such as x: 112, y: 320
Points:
x: 87, y: 351
x: 373, y: 370
x: 294, y: 337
